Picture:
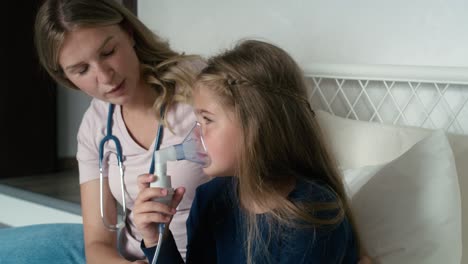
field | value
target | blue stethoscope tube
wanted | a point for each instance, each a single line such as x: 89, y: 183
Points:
x: 111, y: 138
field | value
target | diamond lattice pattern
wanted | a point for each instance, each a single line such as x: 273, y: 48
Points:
x: 419, y: 104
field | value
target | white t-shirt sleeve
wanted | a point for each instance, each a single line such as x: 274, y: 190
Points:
x: 90, y: 130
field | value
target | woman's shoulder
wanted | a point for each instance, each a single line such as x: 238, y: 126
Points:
x: 95, y: 115
x: 97, y: 109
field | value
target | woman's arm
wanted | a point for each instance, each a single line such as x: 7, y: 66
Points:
x: 100, y: 243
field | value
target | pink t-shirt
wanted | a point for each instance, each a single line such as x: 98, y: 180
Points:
x: 136, y: 161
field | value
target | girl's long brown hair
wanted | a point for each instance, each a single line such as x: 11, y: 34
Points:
x: 265, y: 89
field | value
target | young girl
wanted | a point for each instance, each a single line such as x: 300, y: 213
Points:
x: 285, y: 202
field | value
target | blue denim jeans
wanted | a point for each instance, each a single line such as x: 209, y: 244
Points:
x: 46, y: 243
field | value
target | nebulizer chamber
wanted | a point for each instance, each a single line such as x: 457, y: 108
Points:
x: 192, y: 149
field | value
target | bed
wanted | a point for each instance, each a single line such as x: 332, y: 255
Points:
x: 400, y: 138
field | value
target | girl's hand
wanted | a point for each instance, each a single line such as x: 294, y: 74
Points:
x: 148, y: 214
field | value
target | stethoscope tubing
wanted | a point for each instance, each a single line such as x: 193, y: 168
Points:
x: 109, y: 137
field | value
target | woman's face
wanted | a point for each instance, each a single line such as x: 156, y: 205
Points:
x: 101, y: 62
x: 221, y: 133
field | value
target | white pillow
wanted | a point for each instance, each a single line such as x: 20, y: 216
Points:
x: 374, y: 143
x: 408, y: 210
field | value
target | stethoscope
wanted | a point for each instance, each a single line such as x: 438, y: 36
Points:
x: 111, y: 138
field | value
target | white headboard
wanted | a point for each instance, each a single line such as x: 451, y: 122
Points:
x: 427, y: 97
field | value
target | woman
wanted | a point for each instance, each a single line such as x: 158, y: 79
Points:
x: 102, y: 49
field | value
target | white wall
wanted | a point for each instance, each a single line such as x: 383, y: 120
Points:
x: 71, y: 105
x: 398, y: 32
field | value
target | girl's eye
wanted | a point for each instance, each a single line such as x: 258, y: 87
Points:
x: 206, y: 120
x: 108, y: 53
x: 83, y: 70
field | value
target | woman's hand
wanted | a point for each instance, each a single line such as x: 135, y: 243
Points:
x: 148, y: 213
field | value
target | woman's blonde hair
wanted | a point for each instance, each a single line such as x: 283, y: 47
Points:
x: 161, y: 66
x: 265, y: 89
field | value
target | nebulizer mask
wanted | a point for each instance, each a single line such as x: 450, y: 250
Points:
x: 192, y: 149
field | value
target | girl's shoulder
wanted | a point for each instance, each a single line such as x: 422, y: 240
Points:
x: 313, y: 191
x: 214, y: 187
x: 334, y: 238
x: 213, y: 198
x: 319, y: 199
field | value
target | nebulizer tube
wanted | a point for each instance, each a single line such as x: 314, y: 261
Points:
x: 191, y: 149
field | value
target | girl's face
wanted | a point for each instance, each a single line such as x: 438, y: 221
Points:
x: 101, y: 62
x: 221, y: 133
